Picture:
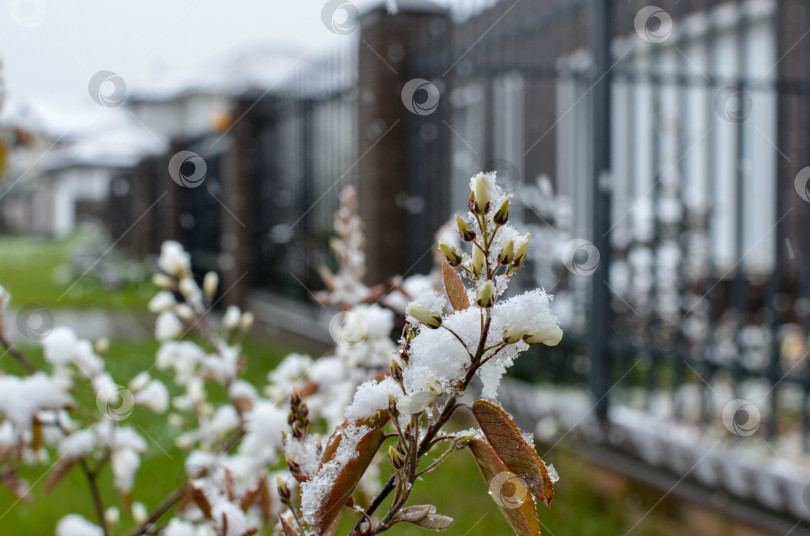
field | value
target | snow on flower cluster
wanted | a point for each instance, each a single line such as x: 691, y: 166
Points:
x: 444, y: 347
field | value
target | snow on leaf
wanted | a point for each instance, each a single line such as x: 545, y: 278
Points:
x: 455, y: 288
x: 346, y: 457
x: 518, y: 509
x: 507, y: 441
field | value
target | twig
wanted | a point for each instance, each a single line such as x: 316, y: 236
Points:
x: 16, y: 354
x: 97, y: 503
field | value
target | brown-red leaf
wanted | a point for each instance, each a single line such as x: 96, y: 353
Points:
x: 507, y: 441
x: 454, y: 288
x: 342, y: 486
x: 515, y: 502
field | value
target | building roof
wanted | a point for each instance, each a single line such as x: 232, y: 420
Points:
x: 120, y: 141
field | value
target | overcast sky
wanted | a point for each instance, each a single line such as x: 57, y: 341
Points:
x: 51, y: 48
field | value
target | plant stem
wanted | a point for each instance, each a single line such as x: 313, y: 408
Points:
x: 159, y: 512
x: 16, y: 354
x: 97, y: 503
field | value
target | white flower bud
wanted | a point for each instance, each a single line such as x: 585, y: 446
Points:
x: 507, y: 254
x: 247, y: 322
x: 486, y: 295
x: 424, y: 315
x: 162, y: 281
x: 188, y: 287
x: 184, y: 311
x: 520, y: 254
x: 139, y: 513
x: 483, y: 195
x: 232, y: 317
x: 513, y: 334
x: 210, y: 283
x: 176, y: 421
x: 112, y: 515
x: 162, y: 301
x: 478, y: 262
x: 139, y: 382
x: 550, y: 336
x: 450, y: 253
x: 102, y: 346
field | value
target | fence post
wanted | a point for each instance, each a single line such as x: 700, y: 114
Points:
x: 382, y: 142
x: 599, y: 329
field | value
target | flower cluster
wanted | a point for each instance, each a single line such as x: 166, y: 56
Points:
x: 253, y: 455
x: 440, y: 353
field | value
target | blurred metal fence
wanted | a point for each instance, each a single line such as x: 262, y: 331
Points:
x: 656, y: 154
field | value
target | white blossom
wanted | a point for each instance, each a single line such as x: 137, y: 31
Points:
x: 173, y: 259
x: 76, y: 525
x: 168, y: 326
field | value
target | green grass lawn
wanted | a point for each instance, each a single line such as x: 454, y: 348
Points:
x: 456, y: 488
x: 36, y: 270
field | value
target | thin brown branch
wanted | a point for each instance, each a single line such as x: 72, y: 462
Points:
x: 16, y: 354
x: 98, y: 505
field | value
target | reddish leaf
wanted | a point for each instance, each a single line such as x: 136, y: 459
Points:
x: 16, y: 485
x: 286, y: 529
x: 455, y: 288
x: 347, y: 479
x: 198, y: 497
x: 507, y: 441
x: 265, y: 500
x: 61, y: 470
x: 518, y: 507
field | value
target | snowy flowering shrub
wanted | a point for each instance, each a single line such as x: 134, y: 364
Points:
x: 254, y: 460
x: 439, y: 354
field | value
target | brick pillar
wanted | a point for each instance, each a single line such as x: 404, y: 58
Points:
x: 238, y: 245
x: 387, y: 44
x: 171, y: 206
x: 793, y: 129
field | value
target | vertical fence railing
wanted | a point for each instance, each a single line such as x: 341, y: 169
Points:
x: 306, y: 138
